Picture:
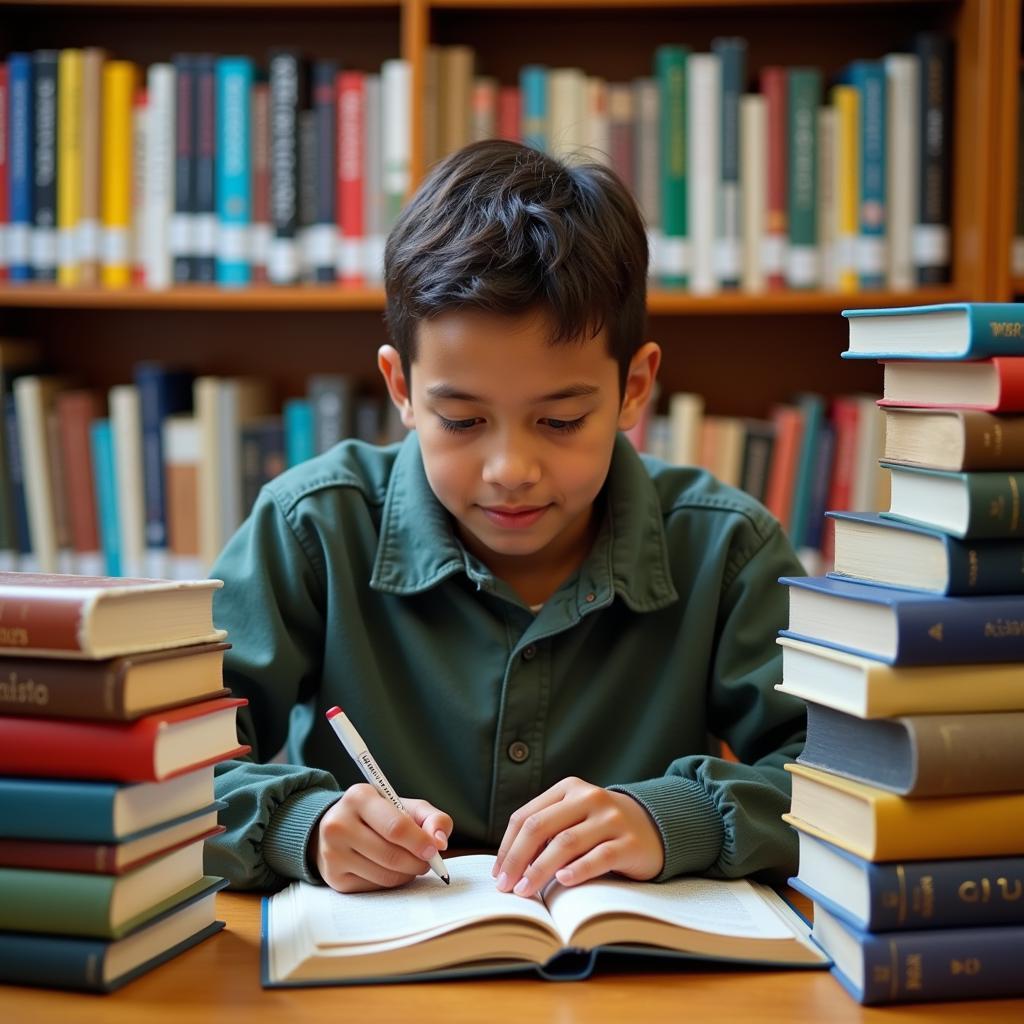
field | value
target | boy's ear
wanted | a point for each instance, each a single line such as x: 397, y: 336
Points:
x: 643, y: 369
x: 390, y: 365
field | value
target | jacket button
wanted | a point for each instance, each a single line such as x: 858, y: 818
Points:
x: 518, y: 751
x: 529, y: 653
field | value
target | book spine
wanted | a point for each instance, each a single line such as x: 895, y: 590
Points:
x: 298, y: 431
x: 75, y: 412
x: 510, y: 113
x: 984, y: 567
x: 16, y: 477
x: 821, y: 481
x: 903, y: 86
x: 261, y: 230
x: 396, y: 116
x: 21, y: 162
x: 620, y: 132
x: 753, y: 181
x: 869, y: 79
x: 330, y: 396
x: 204, y: 224
x: 160, y: 181
x: 89, y: 224
x: 234, y: 171
x: 5, y: 168
x: 789, y: 428
x: 846, y: 101
x: 324, y: 237
x: 33, y: 399
x: 307, y: 192
x: 53, y: 961
x: 101, y: 447
x: 182, y: 460
x: 127, y: 478
x: 119, y: 80
x: 139, y: 241
x: 533, y: 86
x: 803, y: 269
x: 931, y: 244
x: 994, y: 505
x: 1017, y: 257
x: 285, y: 100
x: 92, y: 858
x: 647, y: 166
x: 670, y: 63
x: 732, y: 52
x: 44, y: 231
x: 70, y: 85
x: 773, y: 256
x: 373, y: 182
x: 992, y: 442
x: 812, y: 410
x: 828, y: 202
x: 959, y: 963
x: 703, y: 90
x: 351, y: 108
x: 59, y: 811
x: 183, y: 221
x: 62, y: 902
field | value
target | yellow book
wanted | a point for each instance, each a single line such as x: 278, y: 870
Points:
x: 877, y: 825
x: 119, y: 78
x: 847, y: 104
x: 70, y: 69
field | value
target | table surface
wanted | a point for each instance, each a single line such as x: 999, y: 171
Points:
x: 218, y: 980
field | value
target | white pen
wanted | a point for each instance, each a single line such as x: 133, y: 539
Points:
x: 356, y: 747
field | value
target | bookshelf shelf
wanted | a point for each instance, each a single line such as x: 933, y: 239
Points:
x: 667, y: 303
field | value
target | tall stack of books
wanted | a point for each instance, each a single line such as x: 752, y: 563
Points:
x: 112, y: 715
x: 909, y: 794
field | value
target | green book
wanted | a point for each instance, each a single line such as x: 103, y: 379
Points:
x: 804, y: 99
x: 670, y: 73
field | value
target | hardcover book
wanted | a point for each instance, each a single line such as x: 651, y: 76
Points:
x: 950, y: 330
x: 881, y: 826
x: 102, y: 617
x: 919, y: 755
x: 953, y: 439
x: 905, y: 895
x: 904, y: 627
x: 313, y: 936
x: 991, y: 385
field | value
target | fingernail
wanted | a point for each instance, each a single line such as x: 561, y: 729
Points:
x: 522, y: 886
x: 428, y: 852
x: 503, y: 882
x: 442, y: 839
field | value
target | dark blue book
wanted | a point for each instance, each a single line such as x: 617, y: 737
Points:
x: 911, y: 895
x: 98, y: 965
x: 204, y: 249
x: 16, y: 478
x: 182, y: 227
x: 21, y: 165
x: 904, y: 627
x: 922, y: 966
x: 323, y: 235
x: 913, y: 557
x: 44, y: 109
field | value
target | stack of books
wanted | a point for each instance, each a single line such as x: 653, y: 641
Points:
x: 112, y: 715
x: 909, y: 795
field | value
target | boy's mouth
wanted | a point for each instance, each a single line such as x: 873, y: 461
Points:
x: 511, y: 517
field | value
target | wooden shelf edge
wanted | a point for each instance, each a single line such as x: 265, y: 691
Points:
x: 328, y: 298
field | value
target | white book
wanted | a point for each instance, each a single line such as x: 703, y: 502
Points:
x: 597, y: 127
x: 34, y: 398
x: 704, y: 158
x: 126, y: 428
x: 870, y: 482
x: 828, y: 209
x: 647, y: 166
x: 753, y: 186
x: 686, y: 412
x: 159, y: 175
x: 374, y: 231
x: 903, y: 89
x: 396, y: 119
x: 567, y: 99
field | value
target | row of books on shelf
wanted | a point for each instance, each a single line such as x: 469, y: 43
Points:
x: 782, y: 187
x: 908, y: 797
x: 113, y: 712
x: 152, y: 478
x: 199, y: 169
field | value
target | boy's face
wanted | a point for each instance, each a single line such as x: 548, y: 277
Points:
x: 516, y: 433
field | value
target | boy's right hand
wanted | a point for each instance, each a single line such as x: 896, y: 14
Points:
x: 363, y: 842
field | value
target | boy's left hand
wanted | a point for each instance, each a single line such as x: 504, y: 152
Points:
x: 574, y: 832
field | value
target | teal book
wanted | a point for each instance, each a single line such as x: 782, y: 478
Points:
x: 670, y: 73
x: 299, y: 433
x: 868, y: 77
x: 812, y: 410
x: 234, y: 170
x: 732, y: 52
x: 533, y: 85
x: 804, y: 99
x: 948, y: 330
x: 101, y: 443
x: 971, y: 506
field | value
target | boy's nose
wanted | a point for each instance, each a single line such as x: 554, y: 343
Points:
x: 510, y: 467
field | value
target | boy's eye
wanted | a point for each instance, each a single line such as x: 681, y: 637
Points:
x: 564, y: 426
x: 457, y: 426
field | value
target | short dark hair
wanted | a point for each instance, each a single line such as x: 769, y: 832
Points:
x: 500, y: 227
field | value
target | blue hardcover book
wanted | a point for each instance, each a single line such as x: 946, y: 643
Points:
x: 101, y: 443
x: 182, y: 225
x: 299, y: 433
x: 21, y: 122
x: 911, y: 895
x: 234, y: 171
x: 533, y: 83
x: 909, y: 556
x: 99, y: 812
x: 205, y: 210
x: 99, y: 965
x: 868, y: 77
x: 947, y: 330
x: 16, y: 478
x: 323, y: 234
x: 812, y: 409
x: 921, y: 966
x: 814, y: 527
x: 44, y: 138
x: 162, y: 392
x: 904, y: 627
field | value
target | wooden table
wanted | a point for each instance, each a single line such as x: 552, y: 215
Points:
x: 218, y: 981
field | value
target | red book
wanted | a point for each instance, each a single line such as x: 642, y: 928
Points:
x: 351, y: 166
x: 510, y: 113
x: 991, y: 385
x: 5, y: 194
x: 140, y: 105
x: 75, y: 412
x: 846, y: 420
x: 150, y: 749
x: 789, y: 430
x: 773, y: 87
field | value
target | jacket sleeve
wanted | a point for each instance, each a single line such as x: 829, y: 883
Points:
x: 720, y: 817
x: 271, y: 605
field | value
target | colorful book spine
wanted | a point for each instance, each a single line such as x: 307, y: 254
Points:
x: 204, y: 222
x: 285, y: 102
x: 139, y: 244
x: 931, y: 244
x: 868, y: 77
x: 5, y: 167
x: 299, y: 435
x: 803, y: 263
x: 76, y: 410
x: 44, y: 231
x: 812, y: 412
x: 234, y: 170
x: 533, y: 85
x: 16, y: 477
x: 351, y: 90
x: 160, y: 181
x: 732, y: 52
x: 21, y: 162
x: 182, y: 222
x: 119, y: 80
x: 510, y: 113
x: 773, y: 86
x: 674, y: 243
x: 704, y: 98
x: 89, y: 240
x: 396, y: 92
x: 104, y: 469
x: 70, y: 85
x: 261, y: 232
x: 323, y: 234
x: 846, y: 101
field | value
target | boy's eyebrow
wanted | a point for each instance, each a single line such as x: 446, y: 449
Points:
x: 569, y: 391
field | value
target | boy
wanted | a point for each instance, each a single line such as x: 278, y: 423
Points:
x: 533, y: 628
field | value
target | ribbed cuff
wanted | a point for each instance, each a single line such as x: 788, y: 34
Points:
x: 691, y: 826
x: 287, y: 833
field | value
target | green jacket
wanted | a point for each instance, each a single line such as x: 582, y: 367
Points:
x: 348, y: 586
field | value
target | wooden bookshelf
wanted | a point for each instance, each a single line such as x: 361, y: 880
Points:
x: 788, y: 340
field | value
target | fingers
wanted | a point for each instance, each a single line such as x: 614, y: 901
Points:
x: 395, y: 827
x: 434, y: 823
x: 564, y: 849
x: 515, y: 823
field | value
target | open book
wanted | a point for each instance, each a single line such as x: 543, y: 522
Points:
x: 315, y: 936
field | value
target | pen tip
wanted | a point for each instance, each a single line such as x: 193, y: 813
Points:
x: 446, y: 880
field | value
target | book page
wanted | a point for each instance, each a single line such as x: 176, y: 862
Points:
x: 425, y: 905
x: 721, y: 907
